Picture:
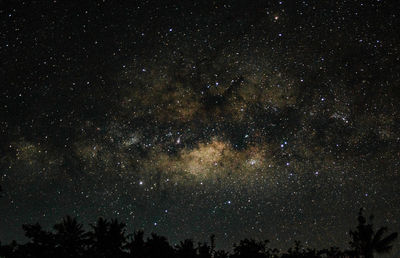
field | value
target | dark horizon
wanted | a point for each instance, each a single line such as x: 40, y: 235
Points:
x: 245, y: 119
x: 110, y: 238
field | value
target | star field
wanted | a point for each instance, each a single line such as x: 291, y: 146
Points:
x: 269, y: 119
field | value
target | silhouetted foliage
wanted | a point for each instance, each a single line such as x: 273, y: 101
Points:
x: 332, y: 252
x: 10, y: 250
x: 70, y: 238
x: 136, y: 245
x: 158, y: 246
x: 366, y: 241
x: 205, y: 250
x: 186, y: 249
x: 252, y: 249
x: 41, y: 244
x: 299, y: 251
x: 221, y: 254
x: 109, y: 239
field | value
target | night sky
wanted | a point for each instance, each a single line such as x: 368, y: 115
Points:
x: 268, y: 119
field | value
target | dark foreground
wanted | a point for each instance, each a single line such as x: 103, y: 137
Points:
x: 110, y: 239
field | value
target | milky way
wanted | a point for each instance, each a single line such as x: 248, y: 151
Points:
x: 269, y: 119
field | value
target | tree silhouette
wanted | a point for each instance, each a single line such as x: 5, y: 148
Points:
x: 252, y: 249
x: 41, y: 242
x: 10, y: 250
x: 205, y: 250
x: 136, y: 245
x: 108, y: 239
x: 70, y: 238
x: 186, y: 249
x: 158, y: 246
x: 366, y: 242
x: 332, y: 252
x: 298, y: 251
x: 221, y: 254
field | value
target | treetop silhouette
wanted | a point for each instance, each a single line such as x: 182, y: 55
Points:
x: 109, y: 238
x: 366, y: 242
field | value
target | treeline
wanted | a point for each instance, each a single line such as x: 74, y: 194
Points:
x: 110, y: 239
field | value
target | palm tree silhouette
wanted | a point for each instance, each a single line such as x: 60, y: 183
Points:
x: 366, y: 241
x: 108, y: 238
x: 41, y: 242
x: 70, y: 238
